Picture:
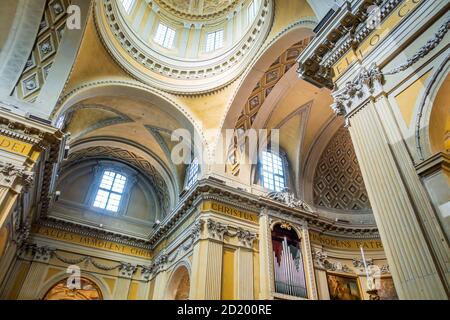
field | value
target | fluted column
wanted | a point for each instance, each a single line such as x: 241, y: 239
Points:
x: 397, y: 210
x: 207, y: 270
x: 33, y: 281
x: 244, y: 279
x: 265, y: 257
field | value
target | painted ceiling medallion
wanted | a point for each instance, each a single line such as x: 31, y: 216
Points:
x: 186, y: 68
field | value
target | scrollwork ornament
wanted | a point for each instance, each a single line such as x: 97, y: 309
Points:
x: 288, y: 198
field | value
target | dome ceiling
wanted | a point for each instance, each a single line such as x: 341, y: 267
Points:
x: 186, y: 65
x: 198, y: 9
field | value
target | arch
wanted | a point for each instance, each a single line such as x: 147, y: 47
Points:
x: 20, y: 41
x: 433, y: 108
x: 178, y: 287
x: 270, y: 54
x: 140, y: 92
x: 262, y: 63
x: 141, y: 159
x: 61, y: 279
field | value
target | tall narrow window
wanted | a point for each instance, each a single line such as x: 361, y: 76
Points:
x: 192, y: 173
x: 110, y: 190
x: 252, y: 10
x: 164, y: 36
x: 214, y: 41
x: 127, y: 5
x: 272, y: 171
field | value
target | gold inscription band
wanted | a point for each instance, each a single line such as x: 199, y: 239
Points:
x: 91, y: 242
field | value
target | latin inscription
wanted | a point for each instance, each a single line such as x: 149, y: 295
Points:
x: 91, y: 242
x: 346, y: 244
x: 230, y: 211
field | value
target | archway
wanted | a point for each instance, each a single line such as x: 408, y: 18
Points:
x: 179, y: 285
x: 88, y: 290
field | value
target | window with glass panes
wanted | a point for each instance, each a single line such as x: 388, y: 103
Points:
x: 164, y: 36
x: 110, y: 191
x: 214, y: 41
x: 127, y: 5
x: 192, y: 174
x: 252, y: 10
x: 272, y: 171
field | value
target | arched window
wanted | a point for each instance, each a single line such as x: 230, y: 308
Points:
x: 110, y: 190
x: 127, y: 5
x: 192, y: 173
x: 60, y: 122
x: 272, y: 173
x: 288, y: 263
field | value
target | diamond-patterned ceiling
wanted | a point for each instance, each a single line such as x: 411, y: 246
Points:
x: 338, y: 182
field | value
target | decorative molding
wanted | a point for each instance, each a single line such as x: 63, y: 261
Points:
x: 10, y: 173
x: 288, y: 198
x: 346, y: 30
x: 368, y: 83
x: 225, y: 69
x: 218, y: 230
x: 321, y: 260
x: 424, y: 50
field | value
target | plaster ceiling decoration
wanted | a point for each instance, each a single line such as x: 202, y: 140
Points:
x: 338, y: 182
x: 40, y: 61
x: 259, y: 94
x: 187, y: 67
x: 198, y: 9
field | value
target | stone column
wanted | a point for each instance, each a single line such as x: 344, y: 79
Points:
x: 265, y: 257
x: 322, y: 284
x: 413, y: 241
x: 207, y: 261
x: 244, y: 274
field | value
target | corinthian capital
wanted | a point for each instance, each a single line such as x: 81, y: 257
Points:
x: 9, y: 173
x: 368, y: 83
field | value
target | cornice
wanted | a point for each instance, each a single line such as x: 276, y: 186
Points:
x: 224, y: 69
x: 211, y: 190
x: 180, y: 14
x: 345, y: 30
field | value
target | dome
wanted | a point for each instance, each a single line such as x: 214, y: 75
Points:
x: 195, y: 9
x: 187, y: 47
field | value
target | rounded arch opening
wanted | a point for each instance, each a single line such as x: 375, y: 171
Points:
x: 86, y: 289
x: 179, y: 284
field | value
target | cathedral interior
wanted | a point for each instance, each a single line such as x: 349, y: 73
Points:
x: 129, y: 167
